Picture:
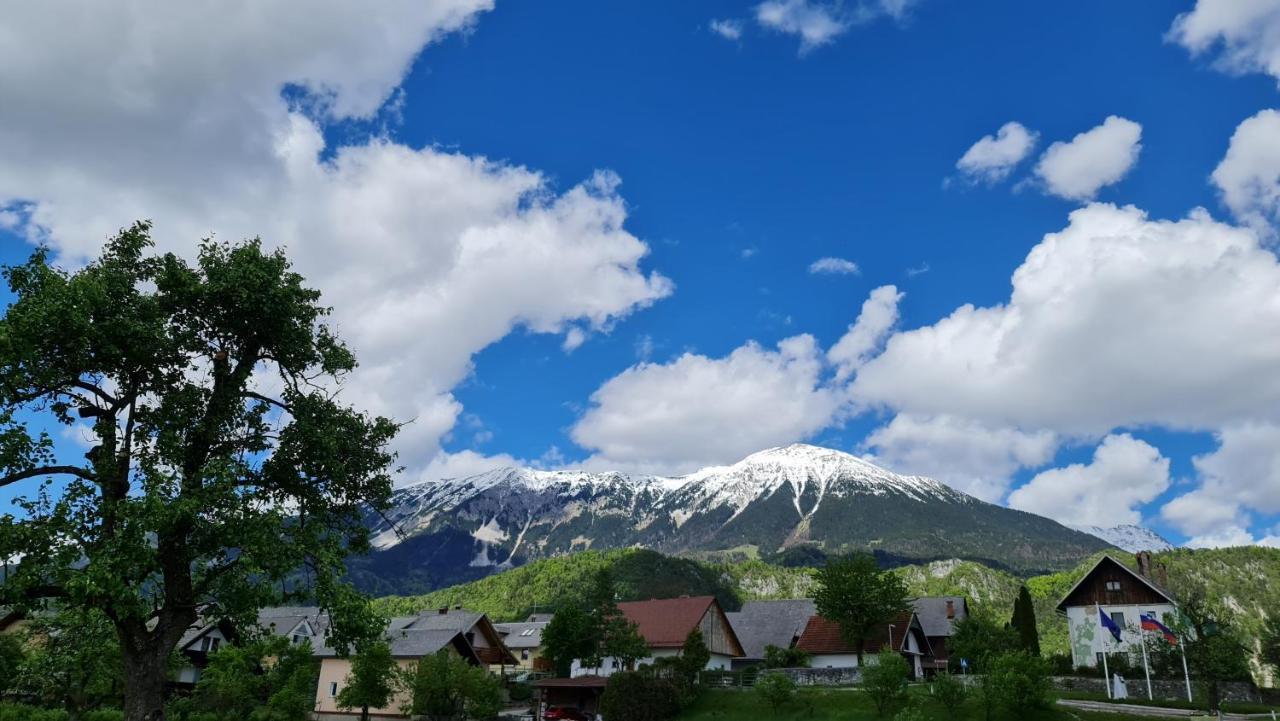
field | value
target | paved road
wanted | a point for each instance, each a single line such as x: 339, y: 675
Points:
x: 1151, y: 711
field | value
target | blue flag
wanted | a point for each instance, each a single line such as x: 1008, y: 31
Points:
x: 1108, y: 624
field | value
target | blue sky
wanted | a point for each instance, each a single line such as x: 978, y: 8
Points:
x: 742, y: 161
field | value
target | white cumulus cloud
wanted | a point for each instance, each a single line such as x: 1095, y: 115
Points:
x: 1125, y: 474
x: 1246, y: 32
x: 1249, y: 175
x: 833, y: 266
x: 728, y: 29
x: 177, y: 112
x: 697, y: 410
x: 878, y: 316
x: 967, y: 455
x: 993, y: 157
x: 815, y: 23
x: 1096, y: 158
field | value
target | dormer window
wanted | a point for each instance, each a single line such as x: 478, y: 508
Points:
x: 209, y: 644
x: 1113, y: 586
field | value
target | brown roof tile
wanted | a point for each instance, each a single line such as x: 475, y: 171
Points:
x: 665, y: 623
x: 821, y: 636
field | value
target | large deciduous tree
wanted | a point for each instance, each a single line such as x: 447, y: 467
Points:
x: 221, y: 460
x: 854, y: 593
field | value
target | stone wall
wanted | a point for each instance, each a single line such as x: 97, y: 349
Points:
x: 1160, y: 688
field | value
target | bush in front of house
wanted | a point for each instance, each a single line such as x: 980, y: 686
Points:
x: 778, y: 657
x: 884, y: 679
x: 634, y: 696
x: 1017, y: 682
x: 775, y: 689
x: 23, y: 712
x: 949, y: 693
x: 519, y: 692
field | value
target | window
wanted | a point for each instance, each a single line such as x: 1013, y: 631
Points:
x: 333, y: 689
x: 527, y: 632
x: 298, y: 638
x: 1118, y: 617
x: 1113, y: 586
x: 209, y: 643
x: 524, y: 655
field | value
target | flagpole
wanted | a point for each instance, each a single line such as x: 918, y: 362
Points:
x: 1182, y: 645
x: 1142, y: 637
x: 1106, y: 673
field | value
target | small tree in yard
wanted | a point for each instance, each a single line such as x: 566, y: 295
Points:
x: 264, y: 680
x: 1020, y: 682
x: 854, y: 593
x: 978, y: 639
x: 373, y: 680
x: 447, y: 688
x: 949, y: 693
x: 778, y: 657
x: 204, y: 492
x: 775, y: 689
x: 1024, y: 622
x: 635, y: 696
x: 623, y: 642
x: 884, y: 680
x: 567, y: 637
x: 694, y: 656
x: 73, y: 662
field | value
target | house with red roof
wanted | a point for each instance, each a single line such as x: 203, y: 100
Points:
x: 666, y: 623
x: 822, y: 640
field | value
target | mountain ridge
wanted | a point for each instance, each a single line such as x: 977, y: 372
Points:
x: 439, y: 533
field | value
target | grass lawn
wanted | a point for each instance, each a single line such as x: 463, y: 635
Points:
x: 1229, y: 707
x: 853, y: 705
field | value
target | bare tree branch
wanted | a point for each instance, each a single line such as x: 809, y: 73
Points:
x: 46, y: 471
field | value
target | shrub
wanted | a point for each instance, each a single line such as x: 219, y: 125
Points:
x: 632, y: 696
x: 884, y: 679
x: 949, y: 693
x: 775, y: 689
x: 910, y: 712
x: 23, y: 712
x: 1021, y: 682
x: 103, y: 714
x: 520, y: 692
x: 778, y: 657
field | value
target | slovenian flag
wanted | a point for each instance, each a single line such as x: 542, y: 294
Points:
x: 1108, y: 624
x: 1149, y: 623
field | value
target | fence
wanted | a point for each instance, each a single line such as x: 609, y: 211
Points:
x: 801, y: 676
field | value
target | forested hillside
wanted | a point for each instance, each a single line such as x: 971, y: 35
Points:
x: 1244, y: 580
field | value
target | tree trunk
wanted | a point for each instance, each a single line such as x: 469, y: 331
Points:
x: 144, y: 680
x: 364, y: 713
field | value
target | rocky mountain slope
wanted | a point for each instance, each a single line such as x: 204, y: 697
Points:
x: 1129, y: 537
x: 445, y: 532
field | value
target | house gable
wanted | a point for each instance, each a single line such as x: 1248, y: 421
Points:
x: 1111, y: 583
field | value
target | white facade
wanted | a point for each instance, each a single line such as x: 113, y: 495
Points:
x: 850, y: 660
x: 1089, y: 639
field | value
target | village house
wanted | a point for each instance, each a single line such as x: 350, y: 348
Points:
x: 938, y: 616
x: 524, y: 640
x: 666, y: 623
x: 1124, y: 595
x: 822, y: 640
x: 761, y: 624
x: 467, y: 634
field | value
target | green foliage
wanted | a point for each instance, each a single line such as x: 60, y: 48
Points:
x: 1270, y: 641
x: 12, y: 656
x: 568, y: 636
x: 194, y: 489
x: 73, y: 662
x: 1215, y: 652
x: 694, y: 655
x: 778, y: 657
x: 1019, y: 682
x: 447, y: 688
x: 1024, y: 622
x: 262, y: 680
x: 949, y: 694
x: 633, y: 696
x: 776, y: 690
x: 884, y: 679
x: 978, y: 640
x: 373, y: 680
x: 22, y: 712
x: 854, y: 593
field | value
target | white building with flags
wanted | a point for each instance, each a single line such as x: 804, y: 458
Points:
x: 1124, y: 596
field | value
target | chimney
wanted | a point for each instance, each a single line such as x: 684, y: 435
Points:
x: 951, y: 608
x: 1144, y: 564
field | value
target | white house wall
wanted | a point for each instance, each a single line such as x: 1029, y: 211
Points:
x: 1088, y: 638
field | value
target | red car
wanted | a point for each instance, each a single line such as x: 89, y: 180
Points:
x: 564, y: 713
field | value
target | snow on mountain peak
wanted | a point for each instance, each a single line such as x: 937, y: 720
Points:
x: 1129, y: 537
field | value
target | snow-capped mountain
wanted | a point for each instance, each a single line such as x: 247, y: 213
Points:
x: 446, y: 531
x: 1129, y: 537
